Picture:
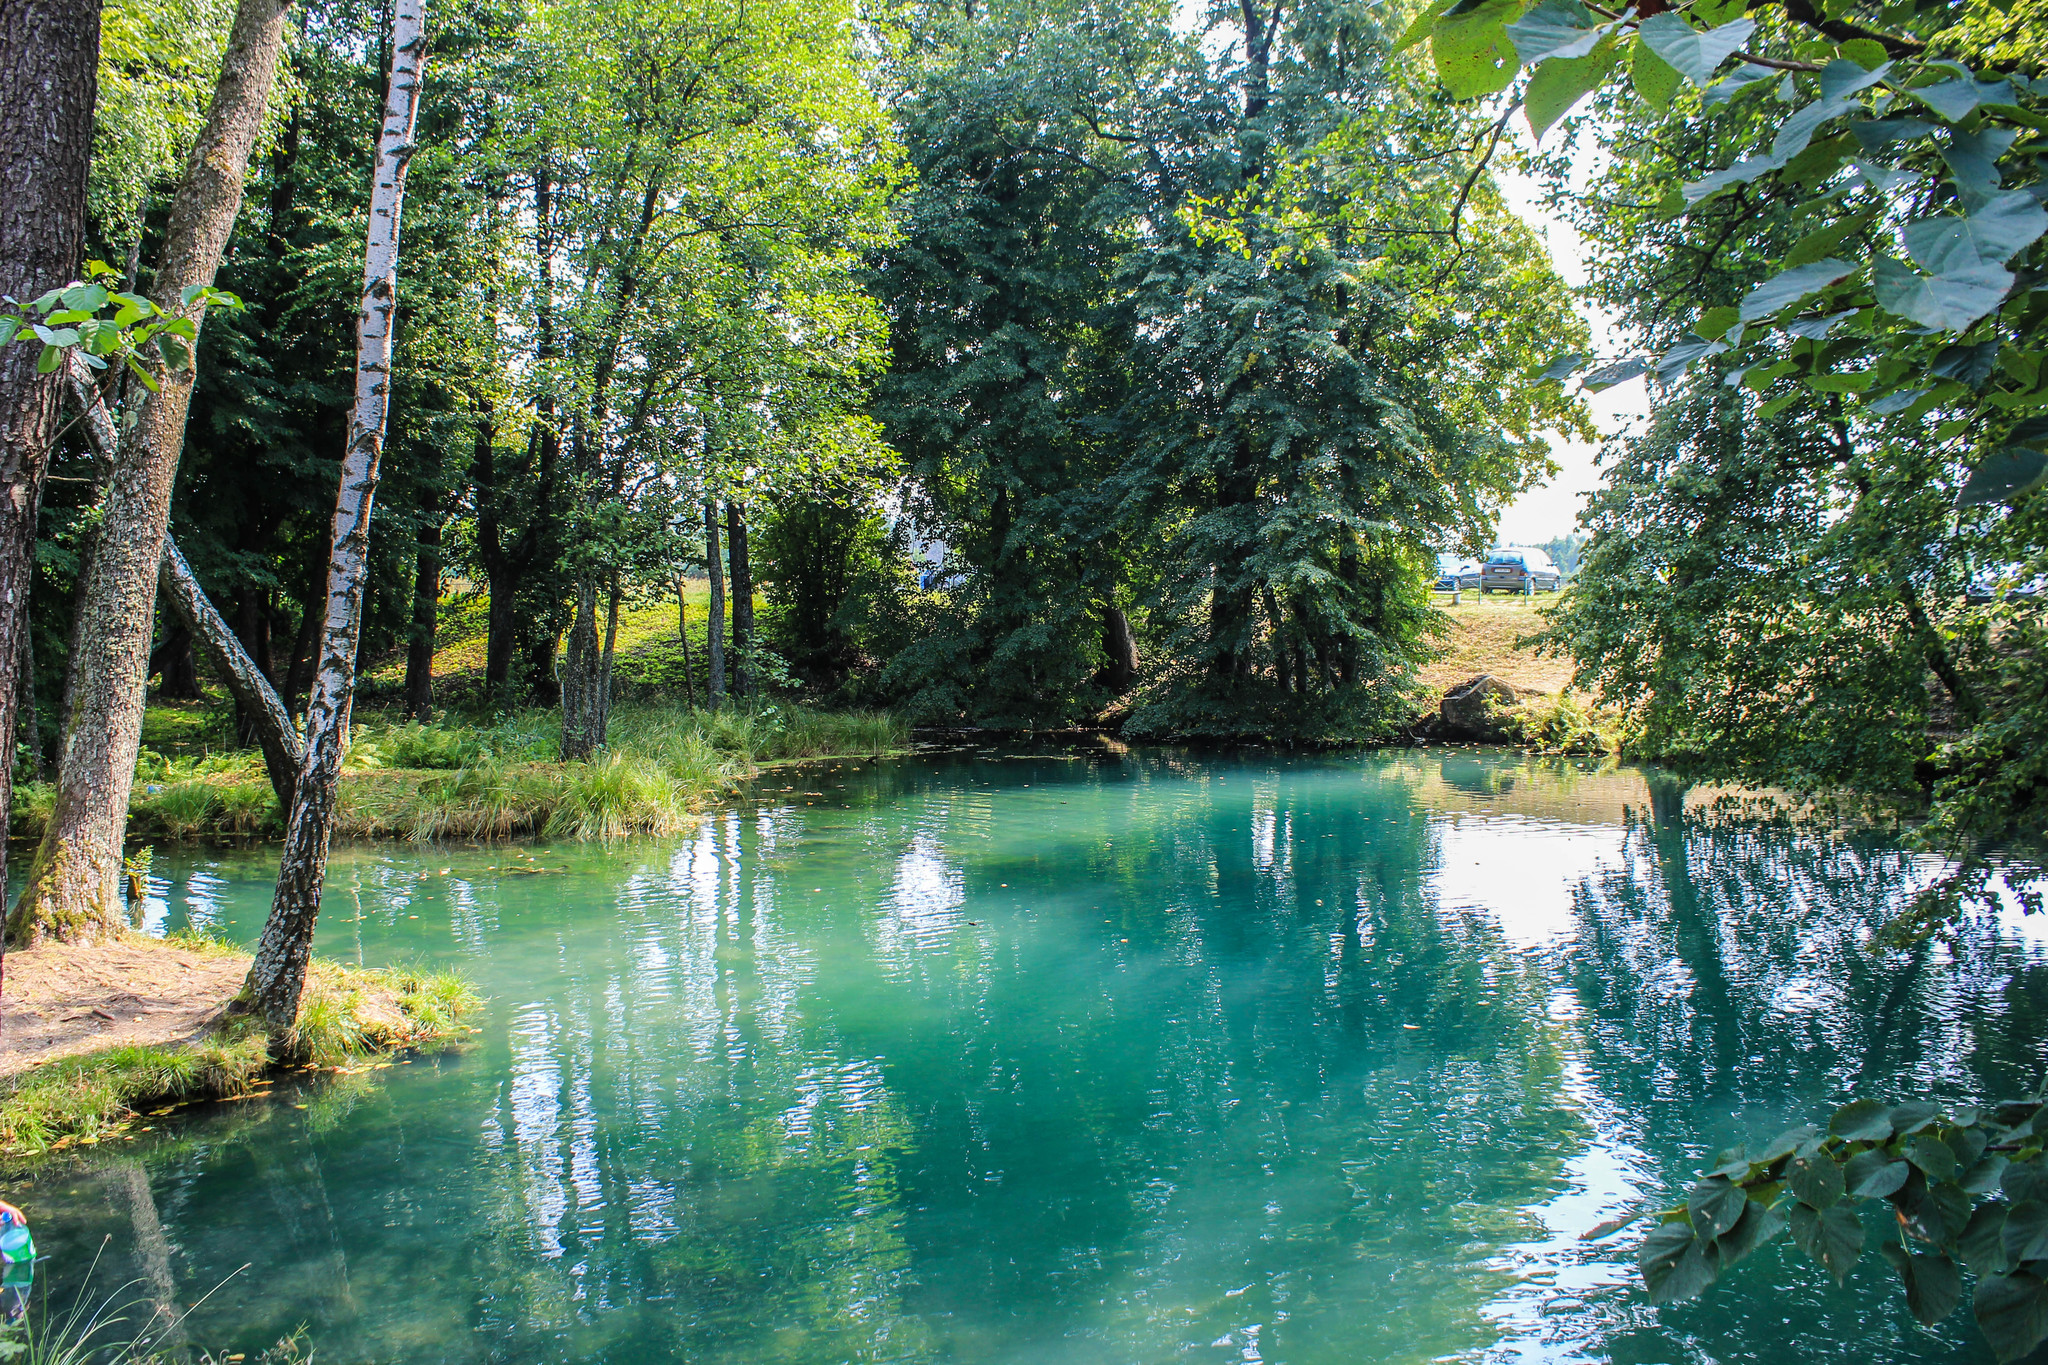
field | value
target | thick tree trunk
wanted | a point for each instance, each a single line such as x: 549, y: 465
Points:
x: 714, y: 624
x: 683, y: 637
x: 426, y: 606
x: 30, y: 726
x: 745, y: 677
x: 582, y: 728
x: 49, y: 69
x: 179, y: 586
x: 277, y: 977
x: 604, y: 685
x: 1120, y: 652
x: 172, y: 665
x: 72, y: 889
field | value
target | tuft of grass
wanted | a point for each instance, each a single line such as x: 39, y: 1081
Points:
x: 29, y: 813
x: 181, y: 810
x: 249, y: 808
x: 84, y: 1098
x: 1563, y: 724
x: 347, y: 1013
x: 616, y: 795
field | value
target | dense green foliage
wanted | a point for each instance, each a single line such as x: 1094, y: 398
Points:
x: 1820, y: 566
x: 1966, y: 1189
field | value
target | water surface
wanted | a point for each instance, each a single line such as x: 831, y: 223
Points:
x: 1069, y: 1059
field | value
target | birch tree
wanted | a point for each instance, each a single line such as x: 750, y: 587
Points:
x: 278, y: 975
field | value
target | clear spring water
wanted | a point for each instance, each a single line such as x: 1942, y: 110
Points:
x: 1069, y: 1059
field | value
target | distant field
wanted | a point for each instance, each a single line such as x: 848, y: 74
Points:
x: 461, y: 632
x: 1482, y: 640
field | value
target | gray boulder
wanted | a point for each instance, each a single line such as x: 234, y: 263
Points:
x: 1468, y: 707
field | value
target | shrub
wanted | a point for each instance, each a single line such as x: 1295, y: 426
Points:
x: 180, y: 810
x: 613, y: 796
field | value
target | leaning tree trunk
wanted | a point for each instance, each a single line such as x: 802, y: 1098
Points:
x: 72, y: 890
x: 278, y: 975
x: 253, y: 694
x: 49, y: 67
x: 714, y: 622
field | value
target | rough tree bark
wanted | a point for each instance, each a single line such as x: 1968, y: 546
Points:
x: 744, y: 676
x: 1119, y: 671
x: 714, y: 623
x: 683, y: 637
x: 277, y: 977
x: 582, y: 731
x: 426, y: 607
x: 72, y: 890
x: 246, y: 682
x: 49, y: 67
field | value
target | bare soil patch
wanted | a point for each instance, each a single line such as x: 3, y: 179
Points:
x: 63, y: 999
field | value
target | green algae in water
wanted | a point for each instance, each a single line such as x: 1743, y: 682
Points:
x: 1079, y: 1059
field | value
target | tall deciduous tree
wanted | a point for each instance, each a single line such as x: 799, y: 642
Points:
x: 277, y: 977
x: 49, y: 55
x: 72, y: 887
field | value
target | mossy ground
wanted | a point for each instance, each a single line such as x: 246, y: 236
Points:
x: 347, y: 1014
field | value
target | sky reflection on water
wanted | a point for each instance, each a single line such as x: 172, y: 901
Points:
x: 1082, y: 1057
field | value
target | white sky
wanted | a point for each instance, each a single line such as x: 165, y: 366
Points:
x: 1553, y: 509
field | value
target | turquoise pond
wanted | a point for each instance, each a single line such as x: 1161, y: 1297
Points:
x: 1070, y: 1058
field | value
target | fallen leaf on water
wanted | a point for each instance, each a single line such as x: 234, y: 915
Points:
x: 1609, y: 1227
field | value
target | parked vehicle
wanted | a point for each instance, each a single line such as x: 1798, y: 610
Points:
x: 1517, y: 568
x: 1455, y: 574
x: 2006, y: 585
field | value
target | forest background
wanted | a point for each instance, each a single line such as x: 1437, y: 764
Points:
x: 1043, y: 363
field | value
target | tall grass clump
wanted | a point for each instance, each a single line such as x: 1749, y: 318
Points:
x: 616, y: 795
x: 85, y: 1097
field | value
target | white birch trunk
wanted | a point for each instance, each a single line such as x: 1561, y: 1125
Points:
x: 278, y: 975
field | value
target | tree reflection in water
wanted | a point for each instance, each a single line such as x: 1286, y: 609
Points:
x: 1079, y: 1058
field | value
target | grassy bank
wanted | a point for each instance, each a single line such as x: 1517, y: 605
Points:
x: 456, y: 780
x: 349, y: 1014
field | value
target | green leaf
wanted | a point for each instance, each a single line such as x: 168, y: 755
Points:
x: 1675, y: 1264
x: 1554, y: 28
x: 1424, y: 25
x: 1819, y: 243
x: 1777, y: 405
x: 1936, y: 1210
x: 1714, y: 1204
x: 1934, y: 1286
x: 49, y: 360
x: 1956, y: 100
x: 1690, y: 53
x: 1833, y: 1237
x: 147, y: 379
x: 1867, y: 53
x: 1712, y: 325
x: 1785, y: 289
x: 1815, y: 1180
x: 2004, y: 476
x: 1998, y: 228
x: 2012, y: 1312
x: 1654, y: 79
x: 2026, y: 1231
x: 1931, y: 1154
x: 1562, y: 82
x: 1473, y: 54
x: 1565, y: 366
x: 1983, y: 1177
x: 1947, y: 302
x: 1873, y: 1175
x: 1757, y: 1226
x: 1983, y: 1241
x: 1853, y: 382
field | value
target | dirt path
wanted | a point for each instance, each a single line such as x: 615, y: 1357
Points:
x: 61, y: 1000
